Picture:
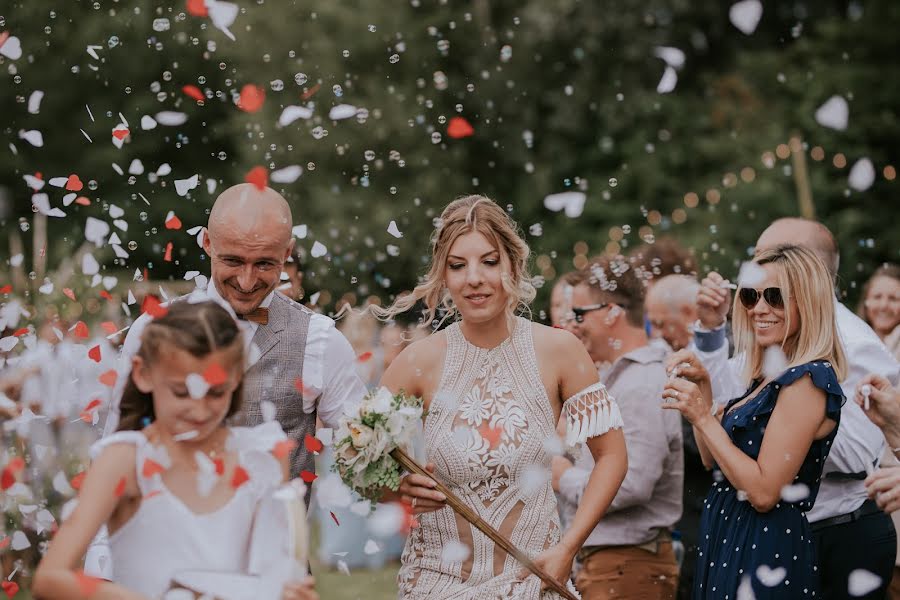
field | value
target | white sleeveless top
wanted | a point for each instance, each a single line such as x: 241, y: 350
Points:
x: 165, y: 537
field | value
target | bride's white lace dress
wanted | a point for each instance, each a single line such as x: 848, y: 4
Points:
x: 490, y: 431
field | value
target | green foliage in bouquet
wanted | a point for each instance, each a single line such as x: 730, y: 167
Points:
x: 366, y: 437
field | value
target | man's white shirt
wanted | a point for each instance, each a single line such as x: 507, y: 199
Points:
x: 859, y: 443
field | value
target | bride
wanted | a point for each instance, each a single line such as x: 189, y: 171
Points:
x: 494, y: 386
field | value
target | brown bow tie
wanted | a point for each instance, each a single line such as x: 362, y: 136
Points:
x: 260, y: 316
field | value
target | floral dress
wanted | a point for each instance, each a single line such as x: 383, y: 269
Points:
x: 491, y: 433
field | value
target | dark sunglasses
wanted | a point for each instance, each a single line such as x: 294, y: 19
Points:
x: 578, y: 312
x: 750, y: 297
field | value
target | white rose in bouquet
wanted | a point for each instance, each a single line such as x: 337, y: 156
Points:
x: 361, y: 435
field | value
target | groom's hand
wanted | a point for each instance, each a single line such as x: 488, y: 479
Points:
x: 418, y: 491
x: 300, y: 590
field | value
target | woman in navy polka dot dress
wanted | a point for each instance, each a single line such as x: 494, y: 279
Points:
x: 769, y: 446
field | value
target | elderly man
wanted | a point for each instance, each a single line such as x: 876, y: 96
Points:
x: 850, y: 531
x: 299, y: 366
x: 629, y: 554
x: 672, y: 309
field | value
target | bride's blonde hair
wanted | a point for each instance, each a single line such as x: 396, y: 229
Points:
x: 466, y: 215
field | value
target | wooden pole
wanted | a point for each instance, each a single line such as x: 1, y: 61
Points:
x: 463, y: 510
x: 801, y: 178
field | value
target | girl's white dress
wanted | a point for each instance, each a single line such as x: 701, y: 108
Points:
x: 165, y: 537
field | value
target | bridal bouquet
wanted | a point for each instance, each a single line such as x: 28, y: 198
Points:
x: 365, y: 439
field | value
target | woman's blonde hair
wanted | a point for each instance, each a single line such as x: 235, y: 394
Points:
x: 466, y: 215
x: 804, y: 279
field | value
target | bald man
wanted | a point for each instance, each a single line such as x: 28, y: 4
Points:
x: 850, y: 531
x: 671, y: 306
x: 289, y: 347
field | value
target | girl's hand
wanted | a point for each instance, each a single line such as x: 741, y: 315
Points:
x: 884, y: 487
x: 300, y: 590
x: 687, y: 398
x: 418, y: 491
x: 884, y: 401
x: 557, y: 561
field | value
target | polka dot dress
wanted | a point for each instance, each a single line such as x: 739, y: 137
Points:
x: 771, y: 552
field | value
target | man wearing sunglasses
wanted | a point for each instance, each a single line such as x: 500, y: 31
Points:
x: 630, y: 553
x: 850, y: 531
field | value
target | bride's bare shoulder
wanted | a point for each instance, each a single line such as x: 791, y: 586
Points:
x: 417, y: 363
x: 550, y: 341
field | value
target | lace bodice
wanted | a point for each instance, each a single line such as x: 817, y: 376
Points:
x: 490, y: 432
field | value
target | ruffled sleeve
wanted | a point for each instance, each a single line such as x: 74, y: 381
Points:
x: 590, y: 413
x: 824, y: 378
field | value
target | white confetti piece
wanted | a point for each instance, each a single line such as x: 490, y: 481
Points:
x: 861, y: 582
x: 319, y: 249
x: 183, y: 186
x: 121, y: 225
x: 672, y: 56
x: 164, y: 169
x: 187, y: 435
x: 342, y: 111
x: 835, y: 113
x: 33, y: 137
x: 371, y: 547
x: 393, y: 230
x: 287, y: 174
x: 61, y: 484
x: 455, y: 552
x: 33, y: 182
x: 361, y: 508
x: 387, y: 520
x: 41, y: 202
x: 12, y: 48
x: 774, y: 362
x: 668, y: 81
x: 148, y: 122
x: 69, y: 198
x: 136, y: 167
x: 96, y: 231
x: 292, y: 113
x: 795, y: 492
x: 206, y: 477
x: 751, y: 275
x: 570, y: 202
x: 222, y: 14
x: 170, y: 118
x: 342, y: 567
x: 16, y: 260
x: 197, y: 386
x: 268, y: 410
x: 745, y: 15
x: 300, y: 231
x: 8, y: 343
x: 89, y: 264
x: 58, y: 181
x: 34, y: 102
x: 92, y: 51
x: 46, y: 288
x: 770, y: 577
x: 392, y: 250
x: 862, y: 175
x: 109, y: 282
x: 210, y: 186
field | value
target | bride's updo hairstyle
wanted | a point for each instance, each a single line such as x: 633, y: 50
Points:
x: 460, y: 217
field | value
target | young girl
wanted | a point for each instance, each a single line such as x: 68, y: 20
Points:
x: 177, y: 489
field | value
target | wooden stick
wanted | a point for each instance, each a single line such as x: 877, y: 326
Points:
x: 463, y: 510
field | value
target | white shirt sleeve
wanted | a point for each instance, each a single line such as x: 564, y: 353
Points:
x: 724, y: 373
x: 130, y: 347
x: 330, y: 379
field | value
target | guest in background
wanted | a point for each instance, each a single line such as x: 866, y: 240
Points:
x: 629, y: 553
x: 665, y: 256
x: 672, y: 309
x: 880, y: 306
x: 561, y: 298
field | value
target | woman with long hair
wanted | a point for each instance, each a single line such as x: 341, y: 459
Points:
x: 771, y: 443
x: 494, y: 386
x: 879, y: 306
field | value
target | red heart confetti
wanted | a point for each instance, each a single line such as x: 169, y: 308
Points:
x: 173, y: 222
x: 109, y: 378
x: 86, y: 414
x: 240, y: 477
x: 336, y: 522
x: 252, y: 98
x: 308, y: 476
x: 69, y: 294
x: 6, y: 289
x: 80, y: 330
x: 120, y: 134
x: 73, y: 183
x: 11, y: 588
x: 197, y: 8
x: 151, y: 468
x: 4, y: 542
x: 310, y: 92
x: 120, y: 488
x: 106, y: 295
x: 168, y: 255
x: 364, y: 356
x: 153, y: 307
x: 283, y: 448
x: 87, y: 584
x: 77, y: 480
x: 192, y: 91
x: 215, y: 374
x: 82, y: 201
x: 21, y: 332
x: 7, y: 479
x: 313, y: 444
x: 304, y: 391
x: 17, y: 463
x: 259, y: 177
x: 109, y: 327
x: 94, y: 354
x: 153, y: 494
x: 491, y: 434
x: 459, y: 128
x: 220, y: 466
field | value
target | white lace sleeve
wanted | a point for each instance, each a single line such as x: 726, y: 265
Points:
x: 589, y: 413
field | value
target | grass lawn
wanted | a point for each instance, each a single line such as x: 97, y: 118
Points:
x: 361, y: 584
